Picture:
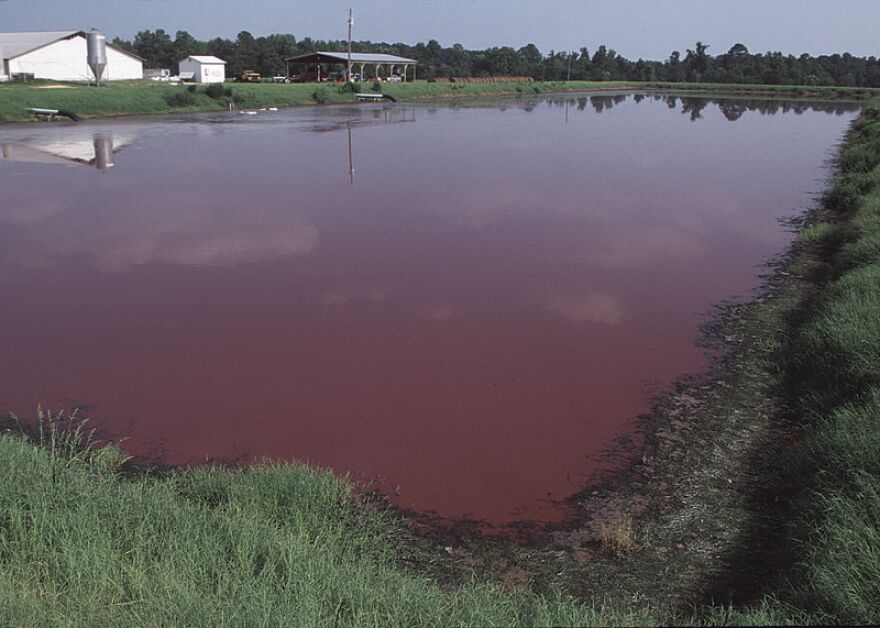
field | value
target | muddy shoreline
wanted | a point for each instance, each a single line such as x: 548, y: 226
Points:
x: 696, y: 515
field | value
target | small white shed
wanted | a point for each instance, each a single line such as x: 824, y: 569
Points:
x: 205, y: 68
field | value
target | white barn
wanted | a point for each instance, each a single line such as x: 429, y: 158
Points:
x: 205, y: 68
x: 61, y: 56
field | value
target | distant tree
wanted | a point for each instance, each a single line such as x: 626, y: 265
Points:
x: 696, y: 63
x: 737, y: 65
x: 738, y: 50
x: 221, y: 48
x: 502, y: 61
x: 156, y: 49
x: 531, y: 61
x: 185, y: 45
x: 459, y: 61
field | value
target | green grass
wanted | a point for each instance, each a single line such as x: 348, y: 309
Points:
x: 834, y: 366
x: 820, y: 91
x: 150, y: 97
x: 276, y: 544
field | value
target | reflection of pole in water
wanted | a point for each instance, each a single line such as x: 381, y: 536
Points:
x: 566, y: 108
x: 350, y: 160
x: 103, y: 151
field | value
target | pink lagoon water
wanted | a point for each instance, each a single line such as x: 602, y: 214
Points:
x: 465, y: 304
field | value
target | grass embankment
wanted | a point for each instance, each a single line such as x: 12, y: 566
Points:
x: 83, y: 544
x: 834, y: 369
x: 787, y: 91
x: 150, y: 97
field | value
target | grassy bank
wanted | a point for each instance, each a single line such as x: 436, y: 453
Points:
x: 787, y: 91
x: 83, y: 544
x: 833, y: 362
x: 149, y: 97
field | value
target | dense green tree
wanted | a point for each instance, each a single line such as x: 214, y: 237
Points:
x: 532, y: 61
x: 697, y: 63
x: 185, y: 45
x: 738, y: 65
x: 458, y: 61
x: 156, y: 48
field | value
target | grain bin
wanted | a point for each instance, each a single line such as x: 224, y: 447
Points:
x: 96, y: 51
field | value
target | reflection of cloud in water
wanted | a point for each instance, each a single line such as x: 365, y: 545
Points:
x: 441, y: 312
x: 30, y: 212
x: 219, y: 249
x: 154, y: 229
x: 593, y: 307
x: 347, y: 295
x: 630, y: 250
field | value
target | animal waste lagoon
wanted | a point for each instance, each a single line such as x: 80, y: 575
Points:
x: 466, y: 305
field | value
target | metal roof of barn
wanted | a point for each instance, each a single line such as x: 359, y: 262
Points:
x: 342, y: 57
x: 14, y: 45
x: 205, y: 59
x: 17, y: 44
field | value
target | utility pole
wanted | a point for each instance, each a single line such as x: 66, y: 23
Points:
x: 350, y: 23
x: 569, y: 67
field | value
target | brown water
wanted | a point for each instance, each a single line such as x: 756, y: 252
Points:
x: 467, y: 303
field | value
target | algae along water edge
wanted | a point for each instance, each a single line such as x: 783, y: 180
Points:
x: 466, y: 304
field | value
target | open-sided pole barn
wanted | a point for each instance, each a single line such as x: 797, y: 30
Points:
x: 362, y: 60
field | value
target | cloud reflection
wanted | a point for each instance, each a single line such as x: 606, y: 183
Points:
x: 593, y: 307
x: 348, y: 295
x: 185, y: 232
x: 635, y: 249
x: 198, y: 249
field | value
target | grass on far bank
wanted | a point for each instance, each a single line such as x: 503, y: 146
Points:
x: 152, y: 97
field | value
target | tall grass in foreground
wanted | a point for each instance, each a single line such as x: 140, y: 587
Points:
x: 81, y: 544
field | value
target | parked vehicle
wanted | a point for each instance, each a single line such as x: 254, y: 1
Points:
x: 248, y: 76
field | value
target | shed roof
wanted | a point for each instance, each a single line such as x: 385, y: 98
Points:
x: 205, y: 59
x: 14, y: 45
x: 342, y: 57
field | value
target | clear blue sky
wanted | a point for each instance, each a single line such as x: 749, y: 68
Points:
x: 635, y: 28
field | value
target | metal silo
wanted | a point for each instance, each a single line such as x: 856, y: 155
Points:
x: 96, y: 49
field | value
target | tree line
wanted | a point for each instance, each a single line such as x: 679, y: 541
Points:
x: 738, y: 65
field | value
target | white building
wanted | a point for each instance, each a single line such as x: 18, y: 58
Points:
x: 61, y: 56
x: 205, y: 68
